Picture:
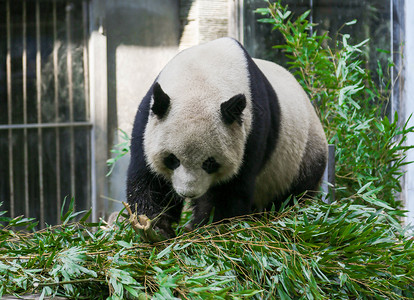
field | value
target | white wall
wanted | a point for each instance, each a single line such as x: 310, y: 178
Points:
x: 137, y: 67
x: 408, y: 96
x: 142, y: 36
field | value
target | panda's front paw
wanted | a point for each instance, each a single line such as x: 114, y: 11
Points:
x: 163, y: 227
x: 189, y: 227
x: 150, y: 230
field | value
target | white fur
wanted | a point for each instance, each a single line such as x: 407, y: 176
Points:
x: 198, y: 80
x: 298, y: 122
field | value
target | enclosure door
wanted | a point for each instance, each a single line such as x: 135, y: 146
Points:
x: 45, y: 119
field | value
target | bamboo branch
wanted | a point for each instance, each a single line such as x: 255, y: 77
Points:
x: 142, y: 226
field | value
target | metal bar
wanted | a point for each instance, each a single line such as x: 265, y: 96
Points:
x: 39, y: 114
x: 241, y: 17
x: 25, y: 146
x: 393, y: 108
x: 99, y: 105
x: 331, y: 171
x: 9, y: 108
x: 45, y: 125
x: 70, y: 94
x: 328, y: 179
x: 311, y: 17
x: 85, y: 57
x: 86, y: 90
x: 56, y: 99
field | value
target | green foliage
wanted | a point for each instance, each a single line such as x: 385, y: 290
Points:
x: 76, y: 261
x: 309, y: 251
x: 369, y: 147
x: 119, y: 150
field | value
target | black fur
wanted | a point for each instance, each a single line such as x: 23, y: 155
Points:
x: 210, y: 165
x: 232, y: 110
x: 310, y: 172
x: 171, y: 162
x: 147, y: 193
x: 161, y: 101
x: 308, y: 180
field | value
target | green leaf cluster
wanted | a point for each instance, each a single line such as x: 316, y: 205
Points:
x: 309, y: 251
x: 119, y: 151
x: 351, y: 104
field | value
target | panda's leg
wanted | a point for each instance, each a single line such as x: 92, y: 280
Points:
x: 154, y: 197
x: 228, y: 200
x: 202, y: 208
x: 311, y: 168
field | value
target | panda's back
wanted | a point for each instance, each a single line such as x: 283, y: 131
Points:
x: 298, y: 124
x: 216, y: 71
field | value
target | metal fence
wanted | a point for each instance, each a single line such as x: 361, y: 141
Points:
x: 45, y: 125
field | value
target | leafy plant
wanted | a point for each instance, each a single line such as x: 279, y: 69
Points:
x: 312, y: 250
x: 119, y: 150
x: 370, y: 148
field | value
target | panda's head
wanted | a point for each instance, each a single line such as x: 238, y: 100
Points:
x: 194, y: 141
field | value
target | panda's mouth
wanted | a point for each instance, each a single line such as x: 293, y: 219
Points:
x: 189, y: 195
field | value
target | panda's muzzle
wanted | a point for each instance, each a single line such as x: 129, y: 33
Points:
x: 190, y: 183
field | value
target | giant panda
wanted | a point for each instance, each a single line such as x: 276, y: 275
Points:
x: 229, y: 132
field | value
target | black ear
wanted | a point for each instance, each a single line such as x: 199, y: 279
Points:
x: 161, y: 101
x: 232, y: 109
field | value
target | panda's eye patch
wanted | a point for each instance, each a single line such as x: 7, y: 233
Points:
x: 171, y: 162
x: 210, y: 165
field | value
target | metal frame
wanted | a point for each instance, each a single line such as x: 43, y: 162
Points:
x: 409, y: 107
x: 39, y: 114
x: 56, y: 101
x: 98, y: 106
x: 90, y: 94
x: 45, y: 125
x: 9, y: 106
x: 25, y: 145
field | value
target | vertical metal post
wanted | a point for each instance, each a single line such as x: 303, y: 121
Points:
x: 70, y: 94
x: 39, y: 114
x: 311, y: 16
x: 56, y: 101
x: 86, y: 93
x: 331, y: 170
x: 241, y: 21
x: 9, y: 108
x: 328, y: 179
x: 85, y: 57
x: 406, y: 11
x: 98, y: 104
x: 25, y: 146
x: 392, y: 56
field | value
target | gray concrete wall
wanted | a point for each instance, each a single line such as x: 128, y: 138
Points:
x: 408, y: 98
x: 203, y: 21
x: 142, y: 37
